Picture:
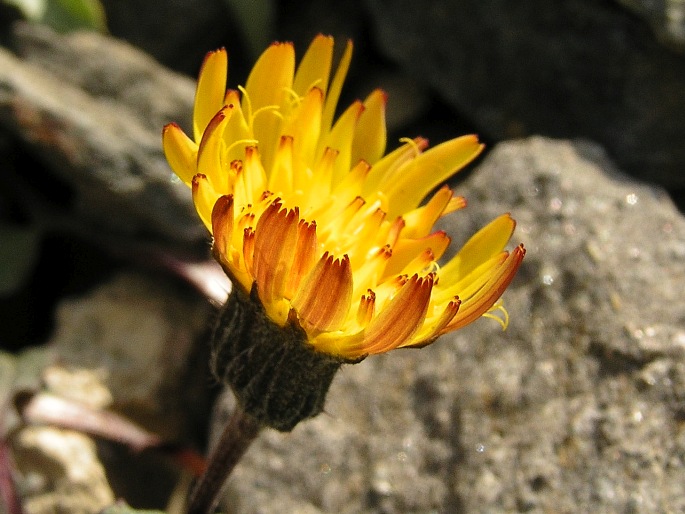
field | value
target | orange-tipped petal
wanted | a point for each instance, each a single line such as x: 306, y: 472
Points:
x: 309, y: 215
x: 474, y: 307
x: 366, y: 308
x: 248, y: 250
x: 274, y: 247
x: 432, y: 330
x: 322, y: 303
x: 399, y: 320
x: 304, y: 257
x: 222, y: 225
x: 210, y: 152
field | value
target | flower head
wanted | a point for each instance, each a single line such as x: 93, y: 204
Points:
x: 312, y: 215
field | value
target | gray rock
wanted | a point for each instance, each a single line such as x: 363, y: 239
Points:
x: 147, y: 335
x: 91, y: 110
x: 576, y: 407
x: 576, y: 68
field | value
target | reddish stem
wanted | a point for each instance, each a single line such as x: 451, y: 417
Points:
x: 236, y: 438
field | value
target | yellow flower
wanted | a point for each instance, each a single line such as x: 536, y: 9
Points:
x: 329, y: 229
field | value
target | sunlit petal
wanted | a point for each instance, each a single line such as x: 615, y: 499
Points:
x: 410, y: 184
x: 211, y: 88
x: 488, y: 241
x: 315, y: 68
x: 370, y: 136
x: 180, y: 151
x: 401, y: 318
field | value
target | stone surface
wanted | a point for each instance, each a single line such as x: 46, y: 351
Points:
x: 141, y: 335
x: 577, y: 407
x: 91, y: 110
x: 62, y: 472
x: 133, y: 350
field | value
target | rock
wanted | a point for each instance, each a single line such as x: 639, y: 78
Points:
x: 130, y: 360
x: 144, y: 338
x: 577, y: 407
x: 572, y: 69
x: 62, y: 472
x: 91, y: 109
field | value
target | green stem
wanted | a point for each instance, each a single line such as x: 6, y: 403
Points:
x: 236, y: 438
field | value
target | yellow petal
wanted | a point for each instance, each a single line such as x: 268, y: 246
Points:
x: 304, y: 127
x: 315, y: 68
x: 268, y: 86
x: 210, y: 152
x: 316, y: 188
x: 406, y: 250
x: 370, y: 135
x: 409, y: 185
x: 340, y: 139
x: 236, y: 133
x: 211, y: 88
x: 420, y: 221
x: 281, y: 178
x: 333, y: 93
x: 351, y: 185
x: 253, y: 176
x: 484, y: 244
x: 204, y: 197
x: 456, y: 203
x: 369, y: 272
x: 180, y: 152
x: 387, y: 166
x: 451, y: 285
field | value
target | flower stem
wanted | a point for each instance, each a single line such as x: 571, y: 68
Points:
x: 236, y: 438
